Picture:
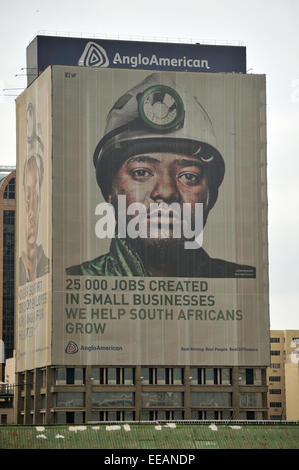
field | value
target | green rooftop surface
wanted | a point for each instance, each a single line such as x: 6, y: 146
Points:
x: 151, y: 436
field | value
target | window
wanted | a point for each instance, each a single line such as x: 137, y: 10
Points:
x: 274, y: 340
x: 250, y: 400
x: 275, y: 391
x: 274, y: 353
x: 211, y: 399
x: 274, y: 378
x: 69, y: 417
x: 275, y: 366
x: 250, y: 376
x: 113, y: 416
x: 162, y: 375
x: 4, y: 419
x: 112, y: 399
x: 152, y: 415
x: 274, y: 404
x: 113, y: 375
x: 225, y: 376
x: 211, y: 414
x: 150, y: 399
x: 10, y: 190
x: 211, y: 376
x: 8, y: 281
x: 69, y: 376
x: 196, y: 375
x: 65, y: 399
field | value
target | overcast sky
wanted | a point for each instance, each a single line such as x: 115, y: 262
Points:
x: 268, y: 29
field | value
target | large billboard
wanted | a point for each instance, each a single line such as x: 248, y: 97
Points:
x: 132, y: 285
x: 34, y: 226
x: 156, y: 217
x: 54, y: 50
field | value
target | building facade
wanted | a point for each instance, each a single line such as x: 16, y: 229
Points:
x: 283, y: 375
x: 59, y: 395
x: 84, y: 351
x: 7, y: 254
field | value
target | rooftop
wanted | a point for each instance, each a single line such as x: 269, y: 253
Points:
x: 152, y: 435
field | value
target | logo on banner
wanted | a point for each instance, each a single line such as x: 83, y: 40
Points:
x: 94, y: 55
x: 71, y: 348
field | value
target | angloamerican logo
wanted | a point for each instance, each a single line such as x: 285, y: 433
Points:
x: 72, y: 348
x: 94, y: 55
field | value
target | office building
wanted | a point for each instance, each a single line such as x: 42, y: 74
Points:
x: 283, y: 375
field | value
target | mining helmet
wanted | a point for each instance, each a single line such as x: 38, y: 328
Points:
x: 155, y: 116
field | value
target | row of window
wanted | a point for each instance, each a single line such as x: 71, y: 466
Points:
x: 154, y: 376
x: 74, y: 417
x: 156, y: 399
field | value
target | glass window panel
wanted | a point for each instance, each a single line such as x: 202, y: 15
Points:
x: 178, y: 414
x: 162, y: 415
x: 225, y: 376
x: 177, y: 375
x: 227, y: 414
x: 242, y: 376
x: 69, y: 399
x: 194, y: 375
x: 95, y: 375
x: 43, y: 401
x: 145, y: 375
x: 211, y: 399
x: 150, y: 399
x: 112, y: 416
x: 79, y: 375
x: 129, y: 415
x: 60, y: 418
x: 128, y: 376
x: 209, y: 376
x: 79, y: 417
x: 145, y: 415
x: 249, y: 376
x: 60, y: 376
x: 95, y: 416
x: 160, y: 376
x: 112, y: 375
x: 250, y: 399
x: 111, y: 399
x: 70, y: 375
x: 257, y: 377
x: 211, y: 414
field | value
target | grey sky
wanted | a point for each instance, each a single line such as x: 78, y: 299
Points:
x: 268, y: 29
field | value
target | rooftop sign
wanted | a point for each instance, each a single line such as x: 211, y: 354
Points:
x: 52, y: 50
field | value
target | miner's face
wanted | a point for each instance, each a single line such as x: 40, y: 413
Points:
x: 162, y: 177
x: 32, y: 198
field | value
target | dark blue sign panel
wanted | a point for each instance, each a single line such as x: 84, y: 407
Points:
x: 50, y: 50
